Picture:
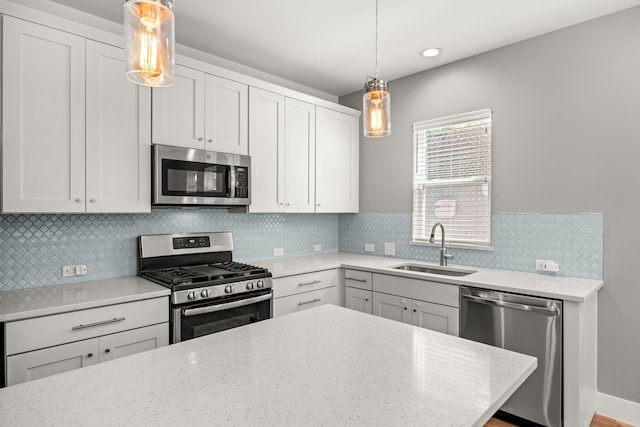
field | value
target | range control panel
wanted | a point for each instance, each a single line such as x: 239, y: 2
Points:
x: 191, y: 242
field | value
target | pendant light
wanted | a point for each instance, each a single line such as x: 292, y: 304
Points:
x: 376, y: 102
x: 149, y: 42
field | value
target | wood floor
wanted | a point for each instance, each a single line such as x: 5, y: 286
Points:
x: 598, y: 421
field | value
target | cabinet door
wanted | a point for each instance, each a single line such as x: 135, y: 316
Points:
x: 226, y: 123
x: 436, y: 317
x: 305, y: 300
x: 359, y: 300
x: 49, y: 361
x: 266, y: 147
x: 135, y: 341
x: 43, y: 83
x: 299, y: 156
x: 178, y: 110
x: 392, y: 307
x: 118, y: 135
x: 336, y: 161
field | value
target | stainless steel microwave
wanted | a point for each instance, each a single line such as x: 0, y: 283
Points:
x: 191, y: 177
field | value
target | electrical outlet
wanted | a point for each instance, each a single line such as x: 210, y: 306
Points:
x: 317, y: 248
x: 81, y: 270
x: 278, y: 251
x: 68, y: 270
x: 369, y: 247
x: 389, y: 248
x: 547, y: 265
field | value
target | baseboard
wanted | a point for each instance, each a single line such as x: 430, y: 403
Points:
x: 618, y: 409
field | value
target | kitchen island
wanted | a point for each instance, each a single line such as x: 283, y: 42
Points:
x: 323, y: 366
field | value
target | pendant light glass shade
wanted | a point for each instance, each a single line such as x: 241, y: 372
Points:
x: 150, y: 42
x: 376, y: 109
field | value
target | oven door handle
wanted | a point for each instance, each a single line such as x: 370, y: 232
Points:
x: 219, y: 307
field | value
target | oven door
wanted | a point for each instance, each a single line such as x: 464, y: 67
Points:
x: 196, y: 320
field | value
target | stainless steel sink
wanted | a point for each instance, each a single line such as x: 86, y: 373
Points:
x: 445, y: 271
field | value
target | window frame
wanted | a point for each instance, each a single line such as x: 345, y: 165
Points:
x: 419, y: 217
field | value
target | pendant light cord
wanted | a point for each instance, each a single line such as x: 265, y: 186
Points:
x: 377, y: 57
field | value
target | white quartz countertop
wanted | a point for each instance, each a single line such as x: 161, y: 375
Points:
x: 46, y: 300
x: 323, y: 366
x: 543, y: 285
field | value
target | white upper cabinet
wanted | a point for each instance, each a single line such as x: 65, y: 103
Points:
x: 118, y: 147
x: 75, y: 139
x: 337, y: 148
x: 282, y: 150
x: 266, y: 148
x: 178, y: 110
x: 43, y: 85
x: 299, y: 156
x: 201, y: 111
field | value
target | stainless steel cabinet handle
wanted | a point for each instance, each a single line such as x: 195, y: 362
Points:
x: 355, y: 280
x: 315, y: 282
x: 90, y: 355
x: 310, y: 302
x: 549, y: 311
x: 209, y: 140
x: 103, y: 322
x: 92, y: 200
x: 220, y: 307
x: 78, y: 200
x: 200, y: 139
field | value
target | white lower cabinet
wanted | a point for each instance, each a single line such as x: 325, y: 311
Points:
x: 302, y: 291
x: 424, y: 303
x: 359, y: 300
x: 43, y: 346
x: 358, y: 295
x: 297, y: 302
x: 66, y: 357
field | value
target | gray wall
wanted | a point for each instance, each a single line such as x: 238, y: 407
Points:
x: 566, y: 139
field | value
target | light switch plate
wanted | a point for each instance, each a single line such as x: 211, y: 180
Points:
x: 278, y: 251
x: 317, y: 248
x: 389, y: 248
x: 369, y: 247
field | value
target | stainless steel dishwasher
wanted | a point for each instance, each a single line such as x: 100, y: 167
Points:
x: 523, y: 324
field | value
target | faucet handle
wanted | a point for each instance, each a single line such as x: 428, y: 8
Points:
x: 447, y: 255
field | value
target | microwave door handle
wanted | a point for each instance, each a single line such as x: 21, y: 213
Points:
x: 232, y: 182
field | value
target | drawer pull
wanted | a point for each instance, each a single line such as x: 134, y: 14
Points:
x: 310, y: 302
x: 104, y: 322
x: 356, y: 280
x: 314, y: 282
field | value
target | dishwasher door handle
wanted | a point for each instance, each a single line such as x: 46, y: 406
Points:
x: 549, y: 311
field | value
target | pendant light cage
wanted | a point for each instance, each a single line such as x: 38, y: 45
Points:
x: 376, y: 102
x: 149, y: 42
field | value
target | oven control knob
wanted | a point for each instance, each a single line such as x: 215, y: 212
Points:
x: 228, y: 289
x: 250, y: 286
x: 260, y: 284
x: 205, y: 293
x: 191, y: 295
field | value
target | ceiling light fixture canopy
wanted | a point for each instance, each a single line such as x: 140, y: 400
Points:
x: 149, y: 42
x: 376, y: 102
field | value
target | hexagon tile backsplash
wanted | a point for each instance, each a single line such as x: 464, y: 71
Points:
x: 33, y: 248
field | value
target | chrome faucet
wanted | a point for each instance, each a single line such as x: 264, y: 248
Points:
x: 444, y: 255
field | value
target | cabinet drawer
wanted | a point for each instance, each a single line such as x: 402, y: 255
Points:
x: 293, y: 303
x: 291, y: 285
x: 47, y: 331
x: 358, y: 279
x: 424, y: 290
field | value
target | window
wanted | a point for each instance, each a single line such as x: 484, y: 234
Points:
x: 452, y: 178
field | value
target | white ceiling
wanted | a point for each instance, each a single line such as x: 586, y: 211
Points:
x: 329, y: 45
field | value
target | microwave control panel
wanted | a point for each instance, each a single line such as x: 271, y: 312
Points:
x: 242, y: 182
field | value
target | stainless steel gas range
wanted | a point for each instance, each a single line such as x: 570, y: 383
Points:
x: 209, y: 291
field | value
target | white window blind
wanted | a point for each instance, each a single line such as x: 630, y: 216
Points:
x: 452, y: 178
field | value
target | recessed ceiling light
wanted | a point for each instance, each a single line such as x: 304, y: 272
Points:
x: 431, y: 52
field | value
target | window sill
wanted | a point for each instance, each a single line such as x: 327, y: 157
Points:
x: 452, y: 245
